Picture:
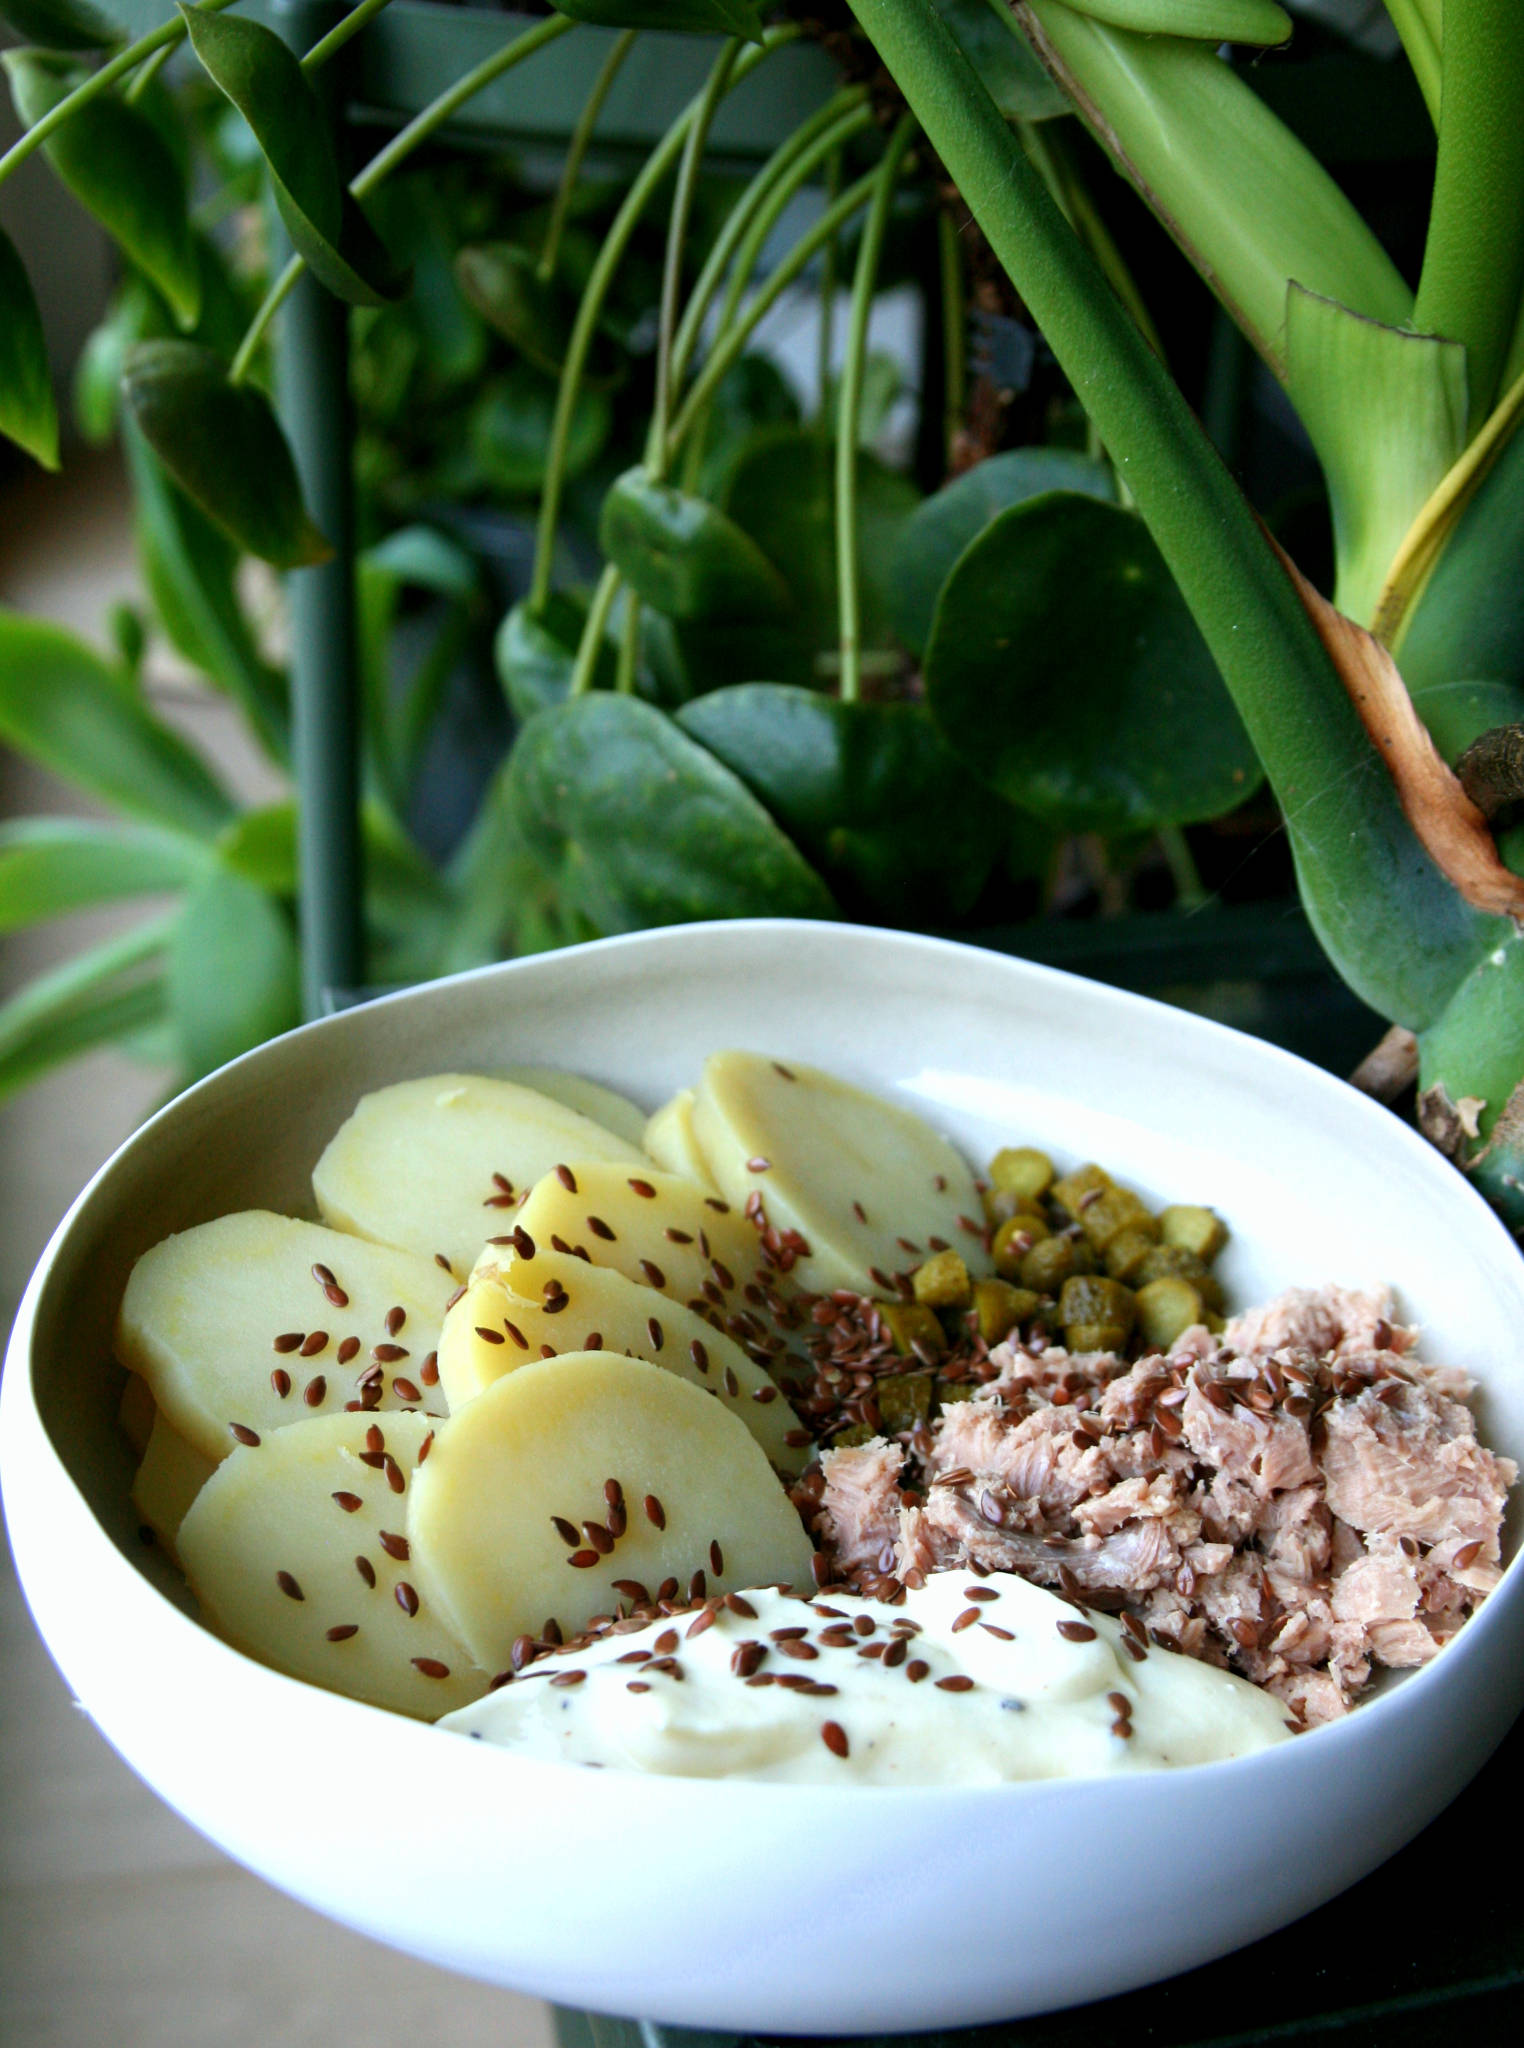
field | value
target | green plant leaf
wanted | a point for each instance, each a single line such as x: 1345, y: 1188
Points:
x: 870, y: 793
x: 941, y: 527
x: 60, y: 24
x: 535, y: 653
x: 191, y: 568
x: 1017, y: 83
x: 511, y: 427
x: 223, y: 445
x: 694, y: 17
x: 637, y: 825
x: 503, y: 283
x: 117, y: 165
x: 50, y: 866
x: 65, y: 708
x: 112, y: 991
x: 28, y: 415
x: 1473, y: 1049
x: 1463, y: 623
x: 680, y: 554
x: 1066, y: 671
x: 1208, y: 21
x: 263, y: 78
x: 233, y: 975
x: 260, y: 847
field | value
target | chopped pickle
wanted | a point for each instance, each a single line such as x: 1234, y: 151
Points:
x: 1085, y: 1183
x: 1170, y: 1261
x: 942, y: 1282
x: 1113, y: 1211
x: 910, y: 1323
x: 904, y: 1399
x: 1013, y: 1240
x: 1051, y: 1261
x: 999, y: 1308
x: 1094, y: 1337
x: 1193, y: 1229
x: 1089, y: 1302
x: 950, y: 1392
x: 1167, y: 1307
x: 1000, y: 1205
x: 850, y: 1439
x: 1022, y: 1170
x: 1127, y: 1251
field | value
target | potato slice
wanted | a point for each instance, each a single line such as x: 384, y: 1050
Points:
x: 219, y: 1319
x: 433, y: 1165
x: 136, y: 1411
x: 492, y: 1330
x: 870, y: 1185
x: 591, y: 1440
x: 171, y: 1475
x: 296, y: 1551
x: 670, y: 1141
x: 616, y: 1113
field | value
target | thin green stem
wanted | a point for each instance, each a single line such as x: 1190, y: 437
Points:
x: 850, y: 400
x: 689, y: 164
x: 589, y: 311
x: 629, y: 645
x: 1191, y: 892
x: 954, y: 333
x: 830, y: 260
x: 1420, y: 25
x: 164, y: 37
x: 733, y: 339
x: 1473, y: 261
x: 340, y: 34
x: 586, y: 666
x: 150, y: 71
x: 576, y: 149
x: 1054, y: 161
x: 401, y: 146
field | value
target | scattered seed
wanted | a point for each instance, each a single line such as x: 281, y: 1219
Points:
x: 916, y: 1670
x: 315, y: 1393
x: 349, y: 1502
x: 243, y: 1433
x: 343, y: 1632
x: 405, y: 1390
x: 582, y: 1560
x: 366, y: 1570
x: 280, y: 1380
x: 567, y: 1179
x: 834, y: 1736
x: 1466, y: 1556
x: 395, y: 1546
x: 431, y: 1667
x: 1076, y: 1631
x: 426, y: 1446
x: 568, y: 1678
x: 655, y: 1513
x: 654, y: 1274
x: 405, y: 1597
x: 289, y: 1586
x: 957, y: 1683
x: 656, y: 1333
x: 716, y: 1559
x: 289, y: 1340
x: 348, y: 1350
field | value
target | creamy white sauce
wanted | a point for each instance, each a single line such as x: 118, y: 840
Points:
x: 1039, y: 1705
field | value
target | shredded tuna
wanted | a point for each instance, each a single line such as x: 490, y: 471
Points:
x: 1298, y: 1499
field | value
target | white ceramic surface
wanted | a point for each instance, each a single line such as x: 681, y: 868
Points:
x: 747, y: 1906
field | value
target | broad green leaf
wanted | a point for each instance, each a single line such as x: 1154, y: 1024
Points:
x: 135, y: 313
x: 260, y: 846
x: 113, y: 990
x: 1468, y: 620
x: 871, y: 793
x: 511, y: 424
x: 28, y: 415
x: 695, y: 17
x: 1208, y: 21
x: 636, y: 825
x: 753, y: 394
x: 64, y: 707
x: 535, y: 653
x: 1476, y: 1049
x: 685, y: 557
x: 503, y: 283
x: 60, y: 24
x: 1252, y: 208
x: 232, y: 973
x: 1067, y: 673
x: 1386, y: 410
x: 116, y: 164
x: 941, y: 527
x: 223, y: 445
x: 504, y: 900
x: 422, y: 558
x: 50, y: 866
x: 263, y: 78
x: 191, y: 569
x: 1017, y: 83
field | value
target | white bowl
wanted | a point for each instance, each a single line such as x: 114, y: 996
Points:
x: 766, y: 1907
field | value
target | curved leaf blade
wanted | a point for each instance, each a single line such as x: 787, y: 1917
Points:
x: 28, y: 414
x: 682, y: 555
x: 50, y: 866
x: 111, y: 991
x: 510, y: 430
x: 1016, y: 82
x: 694, y: 17
x: 1259, y: 22
x: 60, y: 24
x: 941, y: 527
x: 1066, y: 671
x: 635, y: 825
x: 232, y: 973
x: 223, y: 445
x: 536, y: 652
x: 63, y: 706
x: 503, y: 283
x: 117, y: 165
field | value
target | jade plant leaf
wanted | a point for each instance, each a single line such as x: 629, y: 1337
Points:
x: 871, y: 793
x: 511, y: 426
x: 941, y: 527
x: 232, y: 971
x: 50, y: 866
x: 682, y: 555
x: 536, y: 651
x: 65, y: 708
x: 1066, y: 671
x: 223, y: 445
x: 263, y: 78
x: 638, y: 825
x: 117, y: 165
x: 113, y: 990
x: 28, y: 415
x: 1015, y: 80
x: 503, y: 283
x: 60, y: 24
x: 697, y: 17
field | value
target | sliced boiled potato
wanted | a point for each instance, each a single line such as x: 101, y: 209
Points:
x: 136, y: 1411
x: 256, y: 1320
x: 494, y: 1328
x: 171, y: 1475
x: 670, y: 1141
x: 435, y: 1165
x: 297, y: 1553
x: 616, y: 1113
x: 871, y: 1186
x: 671, y: 1482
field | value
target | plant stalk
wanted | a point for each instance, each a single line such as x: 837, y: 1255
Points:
x: 576, y: 150
x: 329, y: 45
x: 593, y: 631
